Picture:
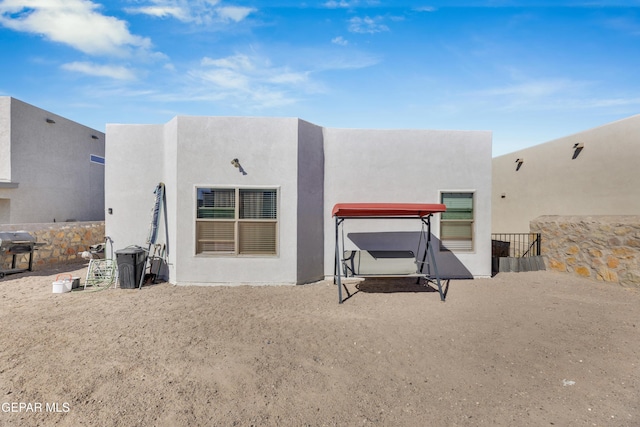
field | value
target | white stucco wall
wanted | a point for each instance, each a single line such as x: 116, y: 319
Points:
x: 312, y: 168
x: 50, y: 162
x: 191, y: 152
x: 602, y: 180
x: 409, y: 166
x: 267, y: 151
x: 135, y: 158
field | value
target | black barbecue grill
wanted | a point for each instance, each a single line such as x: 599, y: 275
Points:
x: 14, y: 244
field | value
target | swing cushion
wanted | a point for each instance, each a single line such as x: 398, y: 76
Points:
x: 379, y: 263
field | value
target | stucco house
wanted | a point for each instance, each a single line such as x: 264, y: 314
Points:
x: 249, y: 199
x: 51, y: 168
x: 594, y: 172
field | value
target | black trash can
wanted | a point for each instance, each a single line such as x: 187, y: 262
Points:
x: 130, y: 266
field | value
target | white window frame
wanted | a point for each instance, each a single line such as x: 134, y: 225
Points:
x: 237, y: 221
x: 472, y: 221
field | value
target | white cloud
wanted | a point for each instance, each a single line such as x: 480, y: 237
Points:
x: 91, y: 69
x: 351, y: 61
x: 558, y: 94
x: 367, y: 25
x: 425, y: 9
x: 193, y: 11
x: 250, y: 80
x: 289, y: 78
x: 339, y: 41
x: 76, y: 23
x: 162, y: 12
x: 624, y: 24
x: 531, y: 89
x: 237, y: 62
x: 253, y: 82
x: 234, y: 13
x: 333, y: 4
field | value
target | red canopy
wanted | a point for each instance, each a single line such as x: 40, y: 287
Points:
x: 387, y: 209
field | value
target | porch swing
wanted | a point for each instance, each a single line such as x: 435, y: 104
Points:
x: 386, y: 264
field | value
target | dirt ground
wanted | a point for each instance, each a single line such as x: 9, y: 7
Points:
x: 520, y: 349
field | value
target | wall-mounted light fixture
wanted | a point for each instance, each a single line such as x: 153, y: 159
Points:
x: 577, y: 148
x: 50, y: 120
x: 94, y: 137
x: 236, y: 164
x: 519, y: 163
x: 503, y: 195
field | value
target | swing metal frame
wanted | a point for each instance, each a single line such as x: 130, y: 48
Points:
x: 423, y: 212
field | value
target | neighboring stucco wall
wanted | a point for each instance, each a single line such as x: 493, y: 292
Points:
x: 5, y: 139
x: 63, y: 242
x: 6, y: 186
x: 602, y: 180
x: 602, y: 247
x: 50, y: 164
x: 409, y: 166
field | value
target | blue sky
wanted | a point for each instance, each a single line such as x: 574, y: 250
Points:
x: 529, y: 71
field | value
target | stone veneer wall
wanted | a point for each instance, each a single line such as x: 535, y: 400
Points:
x: 63, y: 242
x: 604, y: 247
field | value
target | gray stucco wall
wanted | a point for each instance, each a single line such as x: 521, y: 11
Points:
x: 50, y: 162
x: 310, y: 233
x: 601, y: 180
x: 409, y: 166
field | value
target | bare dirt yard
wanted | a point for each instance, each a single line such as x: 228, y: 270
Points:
x: 520, y: 349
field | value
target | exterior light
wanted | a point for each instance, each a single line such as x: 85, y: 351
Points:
x: 236, y: 164
x: 519, y: 163
x: 577, y: 148
x: 50, y: 120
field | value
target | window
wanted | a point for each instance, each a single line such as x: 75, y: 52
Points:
x: 456, y: 224
x: 96, y: 159
x: 237, y: 221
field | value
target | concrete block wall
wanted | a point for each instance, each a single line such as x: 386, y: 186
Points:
x: 605, y: 247
x: 63, y: 242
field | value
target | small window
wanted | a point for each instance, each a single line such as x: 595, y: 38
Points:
x: 237, y: 221
x: 456, y: 224
x: 96, y: 159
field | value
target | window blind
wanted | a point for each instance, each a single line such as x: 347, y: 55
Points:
x: 216, y: 203
x: 456, y: 224
x: 215, y: 236
x: 237, y: 221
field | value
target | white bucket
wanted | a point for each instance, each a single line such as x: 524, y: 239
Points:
x: 62, y: 286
